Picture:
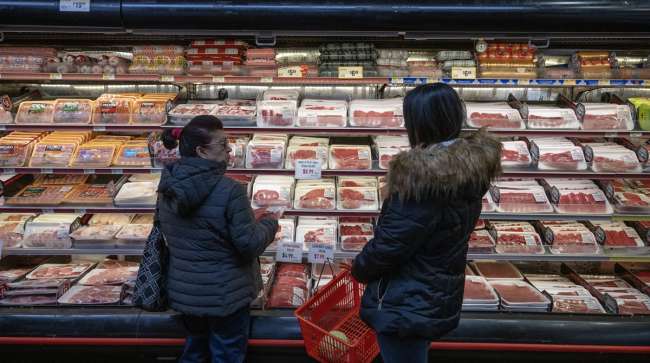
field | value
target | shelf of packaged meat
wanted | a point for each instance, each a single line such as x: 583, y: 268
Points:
x: 71, y: 251
x: 115, y: 171
x: 63, y: 127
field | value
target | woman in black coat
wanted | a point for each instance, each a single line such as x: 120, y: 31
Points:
x: 415, y: 264
x: 214, y: 243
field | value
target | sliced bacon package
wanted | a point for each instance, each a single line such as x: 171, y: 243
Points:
x: 498, y: 115
x: 514, y: 197
x: 570, y: 238
x: 557, y: 154
x: 611, y: 157
x: 546, y: 117
x: 322, y: 113
x: 515, y: 154
x: 384, y: 113
x: 607, y: 116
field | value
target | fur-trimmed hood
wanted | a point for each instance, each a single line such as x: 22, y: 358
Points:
x: 460, y: 169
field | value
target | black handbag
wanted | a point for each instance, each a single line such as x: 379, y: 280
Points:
x: 150, y: 293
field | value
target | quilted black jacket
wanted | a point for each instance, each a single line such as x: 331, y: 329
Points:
x: 213, y: 238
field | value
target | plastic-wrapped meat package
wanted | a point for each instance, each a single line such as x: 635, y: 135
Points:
x: 110, y: 276
x: 358, y: 198
x: 519, y: 295
x: 386, y: 113
x: 113, y: 109
x: 49, y: 231
x: 631, y: 201
x: 572, y: 240
x: 599, y: 116
x: 633, y: 307
x: 500, y: 270
x: 601, y: 282
x: 12, y: 274
x: 508, y: 226
x: 514, y: 154
x: 350, y: 157
x: 137, y: 193
x: 493, y: 115
x: 281, y: 95
x: 357, y: 181
x: 237, y: 155
x: 543, y: 117
x: 73, y: 111
x: 92, y: 295
x: 522, y: 200
x: 289, y: 289
x: 322, y: 113
x: 50, y: 271
x: 488, y: 204
x: 184, y: 113
x: 93, y: 234
x: 581, y: 201
x: 29, y: 300
x: 94, y: 154
x: 295, y: 152
x: 134, y: 233
x: 285, y: 234
x: 233, y: 111
x: 481, y: 242
x: 276, y: 113
x: 133, y: 154
x: 557, y: 154
x: 621, y: 236
x: 316, y: 194
x: 40, y: 195
x: 11, y: 231
x: 354, y: 235
x: 272, y: 191
x: 323, y: 233
x: 478, y: 293
x: 577, y: 305
x: 14, y: 151
x: 265, y: 154
x: 149, y: 111
x: 610, y: 157
x: 519, y: 243
x: 389, y: 146
x: 90, y: 194
x: 35, y: 112
x: 52, y: 154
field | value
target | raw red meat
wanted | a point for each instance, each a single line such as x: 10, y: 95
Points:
x: 513, y: 155
x: 272, y: 118
x: 303, y: 154
x: 633, y: 200
x: 354, y: 243
x: 614, y: 165
x: 497, y: 270
x: 578, y: 202
x: 315, y: 199
x: 518, y: 294
x: 376, y: 119
x: 59, y: 271
x: 352, y: 230
x: 29, y: 300
x: 478, y: 289
x: 316, y: 236
x: 384, y: 160
x: 289, y: 289
x: 112, y: 276
x: 517, y: 198
x: 602, y: 122
x: 261, y: 157
x: 265, y: 197
x: 92, y: 295
x: 563, y: 160
x: 349, y: 159
x: 353, y: 199
x: 497, y: 120
x: 632, y: 307
x: 619, y: 239
x: 574, y: 305
x: 547, y: 121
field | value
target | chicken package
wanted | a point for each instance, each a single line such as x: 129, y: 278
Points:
x: 134, y: 233
x: 73, y: 111
x: 315, y: 194
x: 265, y: 153
x: 289, y: 290
x: 497, y: 270
x: 286, y: 233
x: 481, y: 242
x: 273, y: 191
x: 322, y: 113
x: 515, y: 154
x: 357, y: 198
x: 350, y: 157
x: 580, y: 201
x: 49, y: 231
x: 113, y: 109
x: 355, y: 235
x: 12, y: 229
x: 545, y: 117
x: 92, y: 295
x: 519, y: 243
x: 324, y: 233
x: 493, y: 115
x: 606, y: 116
x: 295, y: 152
x: 50, y: 271
x: 274, y: 113
x: 137, y: 193
x: 557, y: 154
x: 281, y: 95
x: 110, y: 276
x: 611, y: 157
x: 236, y: 112
x: 133, y: 154
x: 35, y: 112
x: 182, y: 114
x: 384, y: 113
x: 531, y: 199
x: 389, y: 146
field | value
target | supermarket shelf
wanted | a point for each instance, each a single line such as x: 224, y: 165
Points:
x: 326, y: 131
x: 73, y: 170
x: 97, y: 128
x: 545, y: 216
x: 74, y: 209
x: 71, y: 251
x: 569, y: 133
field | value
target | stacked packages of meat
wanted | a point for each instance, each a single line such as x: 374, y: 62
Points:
x: 158, y: 59
x: 273, y: 191
x: 423, y: 64
x: 392, y: 62
x: 12, y: 273
x: 101, y: 230
x: 277, y: 108
x: 384, y: 113
x: 33, y: 292
x: 357, y: 194
x: 303, y: 59
x: 508, y: 60
x: 525, y: 196
x: 137, y: 193
x: 12, y: 228
x: 350, y: 157
x: 631, y: 196
x: 567, y: 296
x: 183, y: 113
x: 16, y: 147
x: 593, y: 64
x: 307, y: 148
x: 355, y: 232
x: 479, y: 295
x: 517, y: 295
x: 448, y: 59
x: 548, y: 117
x: 515, y: 154
x: 629, y: 300
x: 335, y: 55
x: 606, y: 116
x: 266, y: 151
x: 516, y: 238
x: 315, y: 194
x: 50, y: 271
x: 611, y: 157
x: 314, y: 230
x: 567, y: 237
x: 322, y: 113
x: 578, y: 197
x: 387, y: 147
x: 110, y: 274
x: 90, y: 62
x: 618, y: 235
x: 496, y: 115
x: 215, y: 57
x: 289, y: 288
x: 260, y: 62
x: 17, y: 59
x: 92, y: 295
x: 49, y: 231
x: 551, y: 153
x: 236, y: 112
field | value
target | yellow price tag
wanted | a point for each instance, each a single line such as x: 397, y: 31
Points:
x: 397, y: 80
x: 463, y: 72
x: 218, y: 80
x: 266, y: 80
x: 56, y: 76
x: 167, y: 78
x: 290, y: 72
x: 604, y: 82
x: 350, y: 72
x: 108, y: 77
x: 570, y: 82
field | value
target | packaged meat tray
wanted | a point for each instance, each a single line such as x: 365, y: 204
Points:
x: 581, y: 201
x: 133, y: 154
x: 599, y: 116
x: 92, y: 235
x: 276, y: 113
x: 133, y: 233
x: 12, y: 274
x: 73, y: 111
x: 35, y: 112
x: 543, y: 117
x: 149, y: 111
x: 520, y: 296
x: 357, y: 198
x: 557, y: 154
x: 90, y: 194
x: 350, y: 157
x: 237, y: 157
x: 59, y: 271
x: 357, y: 182
x: 621, y: 237
x: 273, y: 191
x: 265, y: 154
x: 322, y: 113
x: 573, y: 241
x: 508, y: 226
x: 633, y: 307
x: 295, y: 152
x: 612, y: 158
x: 281, y: 95
x: 11, y: 232
x: 496, y: 115
x: 94, y: 154
x: 576, y: 305
x: 516, y: 243
x: 287, y: 292
x: 113, y: 109
x: 515, y: 154
x: 91, y: 295
x: 137, y: 193
x: 308, y: 234
x: 184, y: 113
x: 481, y: 242
x: 355, y: 235
x: 497, y: 270
x: 285, y: 234
x: 110, y: 276
x: 14, y: 151
x: 521, y: 200
x: 236, y: 112
x: 53, y: 232
x: 488, y: 204
x: 385, y: 113
x: 53, y: 154
x: 46, y: 299
x: 40, y: 195
x: 317, y: 194
x: 478, y: 295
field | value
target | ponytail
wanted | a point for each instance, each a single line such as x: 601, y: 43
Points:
x: 198, y: 132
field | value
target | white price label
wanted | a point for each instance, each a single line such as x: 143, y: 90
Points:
x: 463, y: 72
x: 167, y: 78
x: 289, y: 252
x: 56, y: 76
x: 350, y: 72
x: 320, y: 253
x: 47, y: 171
x: 89, y: 171
x: 577, y: 155
x: 599, y: 196
x: 308, y: 169
x: 266, y: 80
x: 530, y: 240
x: 77, y: 6
x: 9, y: 171
x: 99, y: 128
x: 218, y: 80
x: 290, y: 72
x: 540, y: 197
x: 108, y: 77
x: 117, y: 171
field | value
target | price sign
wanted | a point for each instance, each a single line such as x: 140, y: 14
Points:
x: 350, y: 72
x: 320, y: 253
x: 117, y: 171
x: 290, y: 72
x: 56, y: 76
x: 89, y: 171
x: 167, y: 78
x: 218, y: 80
x: 99, y: 128
x: 47, y: 171
x: 9, y: 171
x: 77, y: 6
x: 266, y: 80
x: 308, y: 169
x: 289, y: 252
x: 463, y: 72
x: 108, y: 77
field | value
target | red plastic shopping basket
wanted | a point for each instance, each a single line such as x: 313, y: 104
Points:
x: 333, y: 310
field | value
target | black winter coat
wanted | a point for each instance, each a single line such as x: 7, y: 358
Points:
x: 415, y: 264
x: 213, y: 239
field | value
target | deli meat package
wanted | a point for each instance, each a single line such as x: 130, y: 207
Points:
x: 606, y: 116
x: 71, y: 111
x: 479, y: 295
x: 498, y: 115
x: 566, y: 237
x: 289, y: 289
x: 355, y: 233
x: 273, y: 191
x: 515, y: 154
x: 35, y: 112
x: 316, y: 230
x: 307, y: 148
x: 60, y: 271
x: 92, y: 295
x: 518, y: 295
x: 551, y: 153
x: 525, y: 196
x: 315, y: 194
x: 113, y: 109
x: 49, y: 231
x: 619, y: 235
x: 266, y: 151
x: 497, y: 270
x: 350, y: 157
x: 389, y: 146
x: 545, y: 117
x: 611, y: 157
x: 386, y: 113
x: 184, y: 113
x: 578, y: 197
x: 322, y: 113
x: 16, y: 147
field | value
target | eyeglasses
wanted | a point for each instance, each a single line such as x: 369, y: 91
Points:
x: 223, y: 143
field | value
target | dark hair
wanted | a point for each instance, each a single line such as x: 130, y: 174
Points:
x: 198, y: 132
x: 433, y: 113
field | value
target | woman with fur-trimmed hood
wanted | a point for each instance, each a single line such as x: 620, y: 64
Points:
x: 415, y: 264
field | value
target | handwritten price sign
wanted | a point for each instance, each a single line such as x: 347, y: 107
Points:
x: 320, y: 253
x: 308, y: 169
x: 350, y: 72
x: 289, y: 252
